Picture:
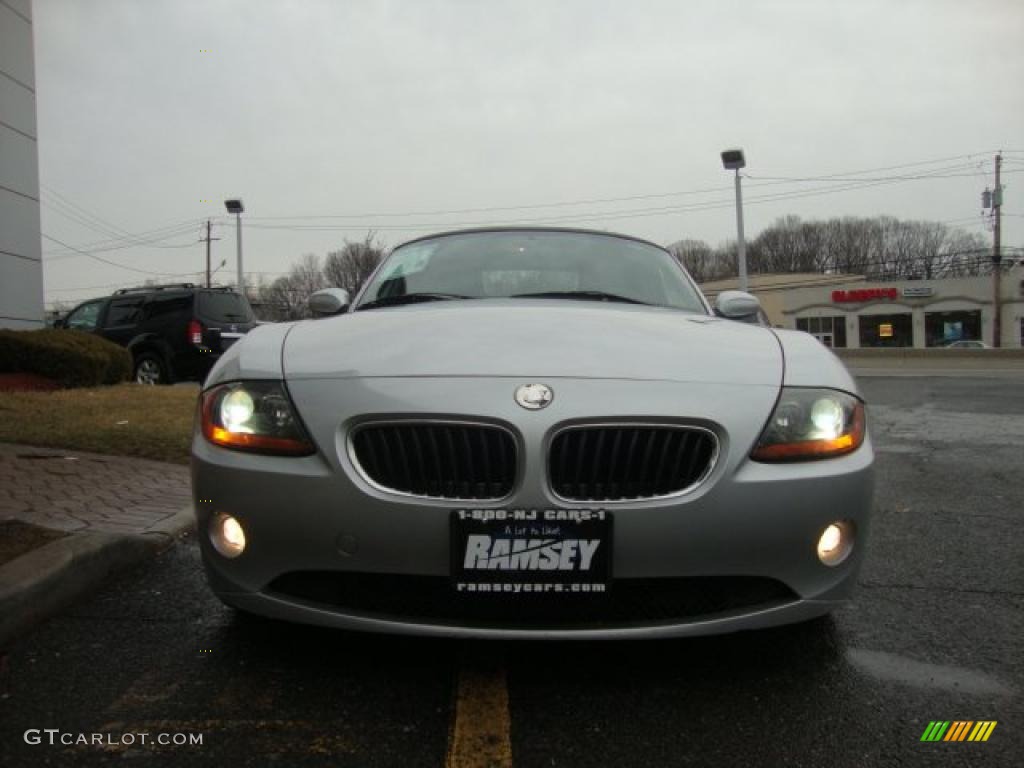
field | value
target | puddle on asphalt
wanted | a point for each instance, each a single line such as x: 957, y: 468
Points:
x: 900, y: 669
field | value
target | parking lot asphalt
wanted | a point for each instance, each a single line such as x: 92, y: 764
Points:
x: 934, y: 634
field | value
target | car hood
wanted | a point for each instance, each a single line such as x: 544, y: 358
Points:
x: 533, y: 338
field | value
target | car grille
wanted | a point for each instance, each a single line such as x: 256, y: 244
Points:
x: 444, y: 460
x: 629, y: 602
x: 616, y: 463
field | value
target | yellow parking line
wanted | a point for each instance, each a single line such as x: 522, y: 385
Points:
x: 480, y: 731
x: 147, y: 689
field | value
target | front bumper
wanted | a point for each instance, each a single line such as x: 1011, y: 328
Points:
x: 747, y: 520
x: 277, y: 608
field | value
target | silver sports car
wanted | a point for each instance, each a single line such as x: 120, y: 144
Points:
x: 532, y: 433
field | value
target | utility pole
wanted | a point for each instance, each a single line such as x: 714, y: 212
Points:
x: 997, y: 259
x: 208, y: 240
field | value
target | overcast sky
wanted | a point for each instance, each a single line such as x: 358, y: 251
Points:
x: 152, y: 112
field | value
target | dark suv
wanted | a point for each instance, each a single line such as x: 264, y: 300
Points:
x: 174, y: 332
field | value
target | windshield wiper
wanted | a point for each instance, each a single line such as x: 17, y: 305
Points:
x: 584, y: 295
x: 409, y: 298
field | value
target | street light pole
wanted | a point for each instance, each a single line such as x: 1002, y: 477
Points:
x: 238, y: 240
x: 733, y: 160
x: 236, y: 207
x: 740, y: 240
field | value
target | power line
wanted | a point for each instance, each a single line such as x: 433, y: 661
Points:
x: 882, y: 178
x: 108, y: 261
x: 591, y: 201
x: 79, y: 214
x: 605, y: 215
x: 124, y: 235
x: 839, y: 182
x: 121, y: 284
x: 613, y: 215
x: 581, y: 216
x: 85, y: 216
x: 107, y: 245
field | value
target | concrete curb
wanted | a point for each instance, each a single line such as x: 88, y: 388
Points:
x: 40, y: 583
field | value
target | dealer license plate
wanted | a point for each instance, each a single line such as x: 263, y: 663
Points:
x: 531, y: 551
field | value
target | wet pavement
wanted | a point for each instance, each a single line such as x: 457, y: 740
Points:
x: 935, y: 634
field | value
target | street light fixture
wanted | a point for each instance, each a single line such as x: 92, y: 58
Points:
x: 733, y: 160
x: 235, y: 206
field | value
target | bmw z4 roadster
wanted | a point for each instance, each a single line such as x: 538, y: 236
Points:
x: 532, y: 433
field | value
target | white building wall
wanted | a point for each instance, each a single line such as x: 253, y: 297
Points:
x: 21, y: 266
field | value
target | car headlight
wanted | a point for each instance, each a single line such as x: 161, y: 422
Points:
x: 253, y: 416
x: 811, y: 424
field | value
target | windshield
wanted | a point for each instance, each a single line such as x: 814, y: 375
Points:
x: 223, y: 307
x: 486, y: 265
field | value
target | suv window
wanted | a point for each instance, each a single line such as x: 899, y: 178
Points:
x: 223, y: 307
x: 160, y: 306
x: 123, y: 312
x: 84, y: 318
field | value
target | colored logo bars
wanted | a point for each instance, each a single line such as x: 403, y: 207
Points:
x: 958, y: 730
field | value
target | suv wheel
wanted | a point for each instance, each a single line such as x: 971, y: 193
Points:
x: 150, y: 369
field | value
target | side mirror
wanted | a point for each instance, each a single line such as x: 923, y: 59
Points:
x: 736, y: 305
x: 329, y: 301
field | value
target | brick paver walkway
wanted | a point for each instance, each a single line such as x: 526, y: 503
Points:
x: 76, y: 491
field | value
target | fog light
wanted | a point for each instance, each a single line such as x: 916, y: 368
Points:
x: 227, y: 535
x: 835, y: 543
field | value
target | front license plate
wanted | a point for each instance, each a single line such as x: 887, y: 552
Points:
x: 531, y: 551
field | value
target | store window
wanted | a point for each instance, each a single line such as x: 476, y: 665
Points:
x: 830, y: 331
x: 886, y: 330
x: 942, y: 328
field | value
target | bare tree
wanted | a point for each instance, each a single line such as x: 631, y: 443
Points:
x: 307, y: 277
x: 882, y: 248
x: 966, y: 253
x: 854, y: 244
x: 351, y: 265
x: 725, y: 262
x: 696, y: 255
x: 285, y: 298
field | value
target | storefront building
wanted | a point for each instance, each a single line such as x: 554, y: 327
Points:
x: 847, y: 311
x: 908, y: 313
